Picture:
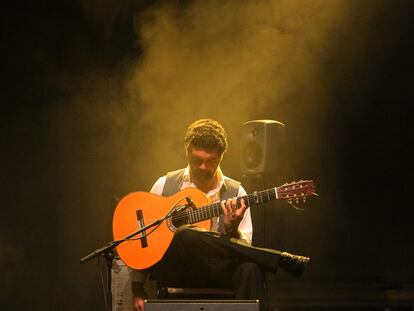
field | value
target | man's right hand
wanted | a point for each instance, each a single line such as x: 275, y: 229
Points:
x: 139, y: 295
x: 139, y: 303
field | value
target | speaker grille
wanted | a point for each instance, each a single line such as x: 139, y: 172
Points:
x: 252, y: 155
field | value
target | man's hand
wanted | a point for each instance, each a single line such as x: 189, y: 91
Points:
x: 139, y: 295
x: 230, y: 210
x: 138, y: 303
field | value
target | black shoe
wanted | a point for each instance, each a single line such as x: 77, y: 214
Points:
x: 293, y: 264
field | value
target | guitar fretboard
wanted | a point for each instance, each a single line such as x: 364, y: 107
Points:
x: 215, y: 210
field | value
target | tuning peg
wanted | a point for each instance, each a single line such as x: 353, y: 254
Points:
x: 297, y: 208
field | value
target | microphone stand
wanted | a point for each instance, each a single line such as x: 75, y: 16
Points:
x: 108, y: 252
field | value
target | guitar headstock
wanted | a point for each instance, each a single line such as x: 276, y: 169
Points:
x: 296, y: 191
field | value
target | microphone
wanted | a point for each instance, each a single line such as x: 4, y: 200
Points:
x: 190, y: 202
x: 180, y: 208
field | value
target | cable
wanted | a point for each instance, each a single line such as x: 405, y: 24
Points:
x: 102, y: 283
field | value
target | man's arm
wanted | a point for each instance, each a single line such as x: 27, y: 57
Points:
x: 245, y: 227
x: 158, y: 187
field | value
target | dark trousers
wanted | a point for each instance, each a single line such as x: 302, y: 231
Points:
x: 202, y: 259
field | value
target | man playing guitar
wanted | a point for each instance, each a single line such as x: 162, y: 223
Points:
x: 200, y: 259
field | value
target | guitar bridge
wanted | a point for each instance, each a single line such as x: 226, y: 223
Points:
x: 141, y: 223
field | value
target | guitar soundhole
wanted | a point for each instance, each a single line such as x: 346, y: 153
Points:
x: 180, y: 219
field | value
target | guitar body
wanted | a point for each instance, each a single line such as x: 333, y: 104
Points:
x: 141, y: 208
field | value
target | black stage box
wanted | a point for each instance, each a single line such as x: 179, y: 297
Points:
x: 201, y: 305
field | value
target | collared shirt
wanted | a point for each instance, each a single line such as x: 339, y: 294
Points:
x: 245, y: 227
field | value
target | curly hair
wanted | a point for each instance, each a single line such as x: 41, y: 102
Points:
x: 206, y: 134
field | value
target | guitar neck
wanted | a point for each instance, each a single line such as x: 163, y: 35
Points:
x: 215, y: 210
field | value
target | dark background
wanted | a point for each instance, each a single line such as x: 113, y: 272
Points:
x: 358, y: 232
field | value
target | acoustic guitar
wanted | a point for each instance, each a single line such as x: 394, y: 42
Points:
x: 187, y: 206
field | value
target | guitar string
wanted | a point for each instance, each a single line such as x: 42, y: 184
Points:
x: 261, y: 195
x: 269, y: 194
x: 199, y: 212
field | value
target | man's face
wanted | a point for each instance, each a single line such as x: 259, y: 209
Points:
x: 203, y: 163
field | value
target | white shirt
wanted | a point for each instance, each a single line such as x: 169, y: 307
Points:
x: 245, y: 227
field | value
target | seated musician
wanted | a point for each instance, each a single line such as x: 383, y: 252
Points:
x: 200, y: 259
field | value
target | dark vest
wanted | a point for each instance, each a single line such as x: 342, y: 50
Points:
x: 174, y: 182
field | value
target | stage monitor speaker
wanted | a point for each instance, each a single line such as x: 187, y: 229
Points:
x: 201, y: 305
x: 263, y: 149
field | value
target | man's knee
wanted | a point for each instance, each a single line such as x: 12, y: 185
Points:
x: 186, y: 235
